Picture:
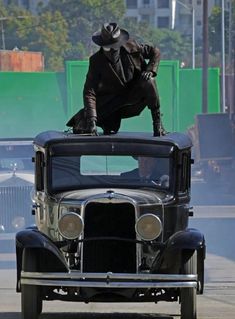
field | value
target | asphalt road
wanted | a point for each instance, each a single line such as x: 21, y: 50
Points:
x: 218, y: 301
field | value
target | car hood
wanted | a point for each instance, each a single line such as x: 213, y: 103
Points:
x: 140, y: 196
x: 16, y: 179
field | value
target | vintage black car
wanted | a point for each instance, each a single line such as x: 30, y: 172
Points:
x: 16, y: 185
x: 108, y: 229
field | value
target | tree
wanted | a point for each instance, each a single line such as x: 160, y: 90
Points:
x: 47, y: 32
x: 3, y: 11
x: 170, y: 43
x: 173, y: 46
x: 52, y: 37
x: 215, y: 29
x: 84, y: 17
x: 62, y: 30
x: 11, y: 17
x: 215, y: 35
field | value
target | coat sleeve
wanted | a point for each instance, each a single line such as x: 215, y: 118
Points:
x: 90, y: 89
x: 153, y: 55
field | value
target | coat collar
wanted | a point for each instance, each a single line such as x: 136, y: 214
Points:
x: 131, y: 46
x: 110, y: 70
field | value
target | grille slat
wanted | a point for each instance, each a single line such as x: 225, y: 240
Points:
x: 109, y: 220
x: 15, y: 201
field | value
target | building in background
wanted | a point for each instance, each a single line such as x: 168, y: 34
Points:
x: 30, y: 5
x: 156, y: 13
x: 159, y: 13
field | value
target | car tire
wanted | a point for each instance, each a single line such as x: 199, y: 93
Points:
x: 31, y: 299
x: 188, y: 296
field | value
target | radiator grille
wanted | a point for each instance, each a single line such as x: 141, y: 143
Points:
x: 109, y: 221
x: 15, y: 201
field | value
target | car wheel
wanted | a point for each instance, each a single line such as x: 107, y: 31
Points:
x: 31, y: 299
x: 188, y: 296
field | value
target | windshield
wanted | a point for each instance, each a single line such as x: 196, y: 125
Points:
x: 16, y: 158
x: 76, y: 172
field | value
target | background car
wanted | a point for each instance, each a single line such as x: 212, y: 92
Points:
x: 16, y: 186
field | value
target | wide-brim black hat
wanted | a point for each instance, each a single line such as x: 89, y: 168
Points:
x: 110, y: 35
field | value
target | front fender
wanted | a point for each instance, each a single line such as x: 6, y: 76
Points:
x: 170, y: 258
x: 50, y: 257
x: 190, y: 238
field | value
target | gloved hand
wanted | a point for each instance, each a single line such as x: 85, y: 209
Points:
x: 91, y: 126
x: 146, y: 75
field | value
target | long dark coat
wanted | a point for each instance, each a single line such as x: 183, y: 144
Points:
x: 107, y: 97
x: 103, y: 84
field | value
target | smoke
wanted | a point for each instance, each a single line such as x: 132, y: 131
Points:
x: 213, y: 172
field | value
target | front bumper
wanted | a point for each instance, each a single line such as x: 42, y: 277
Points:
x: 108, y: 280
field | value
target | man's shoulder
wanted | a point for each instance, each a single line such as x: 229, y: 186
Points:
x: 132, y: 46
x: 95, y: 56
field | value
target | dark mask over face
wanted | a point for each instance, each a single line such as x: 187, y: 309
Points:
x: 112, y: 54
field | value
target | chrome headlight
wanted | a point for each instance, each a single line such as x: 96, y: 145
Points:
x: 148, y: 227
x: 70, y: 225
x: 18, y: 222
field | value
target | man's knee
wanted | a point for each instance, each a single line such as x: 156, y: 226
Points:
x: 111, y: 123
x: 148, y: 87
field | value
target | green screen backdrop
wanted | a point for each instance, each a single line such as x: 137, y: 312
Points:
x: 35, y: 102
x: 31, y: 103
x: 167, y: 82
x: 190, y: 95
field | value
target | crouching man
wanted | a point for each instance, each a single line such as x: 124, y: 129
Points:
x: 119, y: 83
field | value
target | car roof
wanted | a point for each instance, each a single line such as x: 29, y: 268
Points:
x: 16, y: 141
x: 177, y: 139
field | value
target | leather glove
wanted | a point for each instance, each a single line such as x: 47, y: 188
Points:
x: 91, y: 126
x: 146, y: 75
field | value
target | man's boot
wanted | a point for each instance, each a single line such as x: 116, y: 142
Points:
x: 158, y: 129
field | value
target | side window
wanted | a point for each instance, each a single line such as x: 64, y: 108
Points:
x: 39, y: 171
x: 184, y: 173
